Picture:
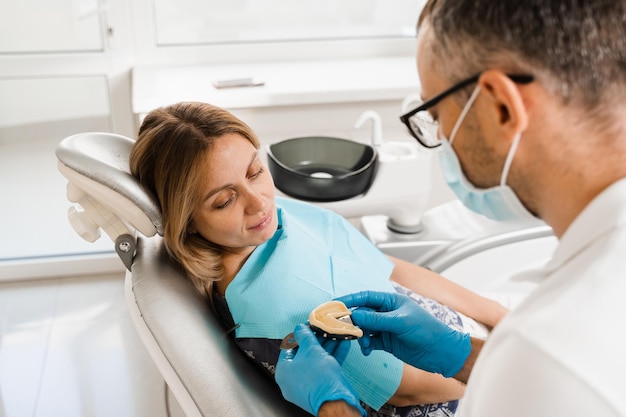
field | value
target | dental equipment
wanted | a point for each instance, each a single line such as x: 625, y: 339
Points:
x: 331, y: 320
x: 389, y: 194
x: 201, y: 365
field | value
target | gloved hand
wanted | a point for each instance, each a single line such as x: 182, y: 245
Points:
x: 395, y: 323
x: 309, y: 376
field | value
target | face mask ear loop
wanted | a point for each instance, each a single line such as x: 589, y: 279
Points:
x: 467, y: 107
x: 509, y: 158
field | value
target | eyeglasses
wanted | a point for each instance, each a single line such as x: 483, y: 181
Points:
x: 421, y: 124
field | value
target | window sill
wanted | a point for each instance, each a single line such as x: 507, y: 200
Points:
x: 285, y: 83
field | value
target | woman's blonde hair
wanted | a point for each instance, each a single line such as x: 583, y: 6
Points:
x: 168, y: 159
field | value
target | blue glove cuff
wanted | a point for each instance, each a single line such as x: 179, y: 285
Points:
x: 458, y: 354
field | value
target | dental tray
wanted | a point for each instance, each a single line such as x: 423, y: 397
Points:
x: 331, y: 320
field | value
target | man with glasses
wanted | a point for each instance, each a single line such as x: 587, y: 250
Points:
x: 525, y: 102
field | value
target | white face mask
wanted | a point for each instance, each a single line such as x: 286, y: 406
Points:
x: 496, y: 203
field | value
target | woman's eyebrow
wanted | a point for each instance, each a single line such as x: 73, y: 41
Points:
x: 225, y: 186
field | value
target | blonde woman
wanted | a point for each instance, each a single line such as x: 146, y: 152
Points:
x: 265, y: 262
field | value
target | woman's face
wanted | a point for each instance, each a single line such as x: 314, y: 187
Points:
x: 237, y: 208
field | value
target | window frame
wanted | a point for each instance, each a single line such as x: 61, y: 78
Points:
x: 148, y: 53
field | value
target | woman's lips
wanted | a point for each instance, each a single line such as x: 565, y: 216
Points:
x: 265, y: 221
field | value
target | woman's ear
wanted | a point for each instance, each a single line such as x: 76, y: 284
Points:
x: 191, y: 228
x: 506, y: 108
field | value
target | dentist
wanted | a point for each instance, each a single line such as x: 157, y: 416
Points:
x: 526, y: 101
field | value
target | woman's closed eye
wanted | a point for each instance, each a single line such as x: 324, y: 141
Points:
x: 256, y: 173
x: 230, y: 195
x: 226, y: 200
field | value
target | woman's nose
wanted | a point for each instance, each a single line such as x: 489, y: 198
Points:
x: 255, y: 203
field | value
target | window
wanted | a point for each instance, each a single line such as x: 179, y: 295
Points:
x: 195, y: 22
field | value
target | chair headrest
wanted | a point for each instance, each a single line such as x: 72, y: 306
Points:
x: 98, y: 164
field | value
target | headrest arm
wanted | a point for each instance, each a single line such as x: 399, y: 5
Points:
x: 105, y: 194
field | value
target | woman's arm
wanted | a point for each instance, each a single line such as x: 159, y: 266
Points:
x: 338, y: 409
x: 464, y: 374
x: 432, y: 285
x: 421, y: 387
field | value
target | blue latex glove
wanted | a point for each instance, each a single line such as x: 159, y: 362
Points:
x: 395, y: 323
x: 309, y: 376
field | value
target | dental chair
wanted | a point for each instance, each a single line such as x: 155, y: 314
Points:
x: 205, y: 371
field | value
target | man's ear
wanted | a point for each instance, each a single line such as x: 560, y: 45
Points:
x: 507, y: 105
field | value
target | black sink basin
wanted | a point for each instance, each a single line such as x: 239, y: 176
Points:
x: 321, y: 168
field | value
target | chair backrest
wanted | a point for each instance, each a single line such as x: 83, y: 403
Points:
x: 206, y: 372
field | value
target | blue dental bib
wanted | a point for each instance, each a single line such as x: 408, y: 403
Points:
x: 314, y: 256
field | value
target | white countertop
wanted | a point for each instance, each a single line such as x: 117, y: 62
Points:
x: 286, y: 83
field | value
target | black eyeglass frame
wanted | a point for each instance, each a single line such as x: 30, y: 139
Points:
x: 517, y: 78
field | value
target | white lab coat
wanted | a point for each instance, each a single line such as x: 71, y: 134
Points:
x: 562, y: 352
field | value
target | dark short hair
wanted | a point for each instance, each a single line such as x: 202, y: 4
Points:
x: 576, y: 47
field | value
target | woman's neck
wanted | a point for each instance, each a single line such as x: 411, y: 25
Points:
x: 233, y: 262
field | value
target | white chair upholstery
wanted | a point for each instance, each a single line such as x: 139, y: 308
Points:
x: 205, y: 371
